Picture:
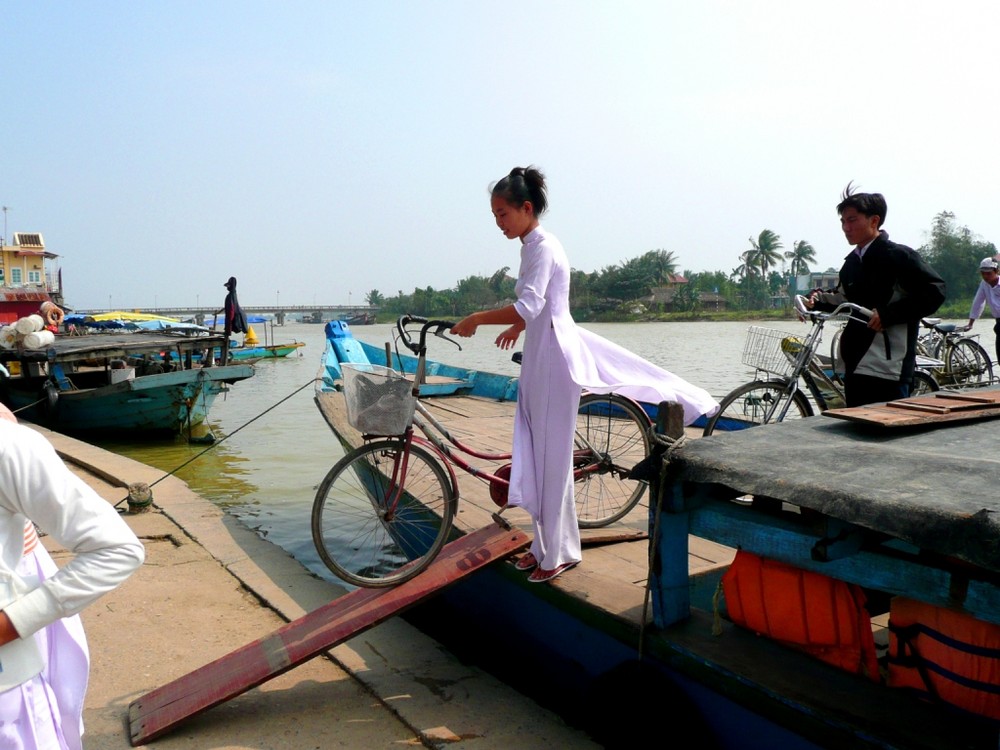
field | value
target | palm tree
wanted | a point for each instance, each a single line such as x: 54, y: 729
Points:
x: 664, y: 265
x: 801, y: 255
x: 765, y: 251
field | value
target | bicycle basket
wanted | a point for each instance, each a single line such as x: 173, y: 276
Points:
x: 379, y: 400
x: 770, y: 350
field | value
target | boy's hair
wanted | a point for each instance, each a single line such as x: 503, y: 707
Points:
x: 868, y: 204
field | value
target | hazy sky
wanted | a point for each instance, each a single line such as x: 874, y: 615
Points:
x: 319, y: 150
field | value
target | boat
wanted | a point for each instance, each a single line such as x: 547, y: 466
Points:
x: 361, y: 319
x: 906, y: 515
x: 251, y: 350
x: 118, y: 384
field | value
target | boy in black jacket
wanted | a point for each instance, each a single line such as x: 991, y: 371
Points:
x: 895, y: 283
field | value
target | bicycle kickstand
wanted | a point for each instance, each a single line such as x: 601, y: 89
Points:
x: 503, y: 523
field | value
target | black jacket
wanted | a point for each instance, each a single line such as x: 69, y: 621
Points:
x: 896, y: 281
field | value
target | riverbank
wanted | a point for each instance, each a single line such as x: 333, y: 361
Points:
x: 210, y: 585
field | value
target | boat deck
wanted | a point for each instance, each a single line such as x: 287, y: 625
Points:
x: 760, y: 678
x: 612, y: 576
x: 106, y: 346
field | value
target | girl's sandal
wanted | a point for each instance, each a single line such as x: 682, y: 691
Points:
x: 526, y: 562
x: 540, y: 575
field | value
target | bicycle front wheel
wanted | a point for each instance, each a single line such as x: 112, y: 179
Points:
x: 969, y: 364
x: 382, y: 513
x: 618, y: 430
x: 756, y: 403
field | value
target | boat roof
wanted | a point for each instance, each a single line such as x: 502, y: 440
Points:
x: 931, y: 485
x: 111, y: 345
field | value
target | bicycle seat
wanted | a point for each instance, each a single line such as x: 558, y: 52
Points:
x: 516, y: 357
x: 945, y: 327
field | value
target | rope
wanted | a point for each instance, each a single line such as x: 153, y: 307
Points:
x: 669, y: 445
x: 226, y: 437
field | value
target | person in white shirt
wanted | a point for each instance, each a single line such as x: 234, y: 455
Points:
x: 988, y: 292
x: 44, y: 661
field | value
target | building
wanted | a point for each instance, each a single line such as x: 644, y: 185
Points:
x: 825, y: 280
x: 29, y: 276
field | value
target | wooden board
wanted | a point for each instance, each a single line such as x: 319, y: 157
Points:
x: 160, y: 710
x: 941, y: 406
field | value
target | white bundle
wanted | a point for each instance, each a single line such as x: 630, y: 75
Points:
x: 38, y: 339
x: 30, y: 324
x: 8, y: 337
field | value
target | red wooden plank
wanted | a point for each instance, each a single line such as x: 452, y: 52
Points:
x: 300, y: 640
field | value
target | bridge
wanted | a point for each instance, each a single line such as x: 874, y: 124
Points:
x: 316, y: 313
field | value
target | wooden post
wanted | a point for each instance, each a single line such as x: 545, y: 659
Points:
x: 669, y: 523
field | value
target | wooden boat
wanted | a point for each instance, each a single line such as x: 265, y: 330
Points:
x: 906, y: 515
x: 251, y: 354
x: 118, y: 384
x: 263, y: 351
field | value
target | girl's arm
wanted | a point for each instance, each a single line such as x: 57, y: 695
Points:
x: 503, y: 316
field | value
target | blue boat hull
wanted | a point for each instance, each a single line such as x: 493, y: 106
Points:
x: 161, y: 404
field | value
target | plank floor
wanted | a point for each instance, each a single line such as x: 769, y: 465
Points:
x: 612, y: 576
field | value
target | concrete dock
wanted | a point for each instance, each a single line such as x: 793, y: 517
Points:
x: 210, y: 585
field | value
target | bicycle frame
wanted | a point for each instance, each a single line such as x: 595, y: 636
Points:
x: 438, y: 439
x: 805, y: 357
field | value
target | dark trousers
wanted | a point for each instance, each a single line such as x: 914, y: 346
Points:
x: 996, y: 330
x: 865, y: 389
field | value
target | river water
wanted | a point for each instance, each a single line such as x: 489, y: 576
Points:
x: 278, y: 447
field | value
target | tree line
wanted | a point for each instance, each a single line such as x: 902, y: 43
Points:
x: 764, y: 277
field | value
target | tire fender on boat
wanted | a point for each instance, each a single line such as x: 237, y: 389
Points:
x: 52, y: 313
x: 49, y: 401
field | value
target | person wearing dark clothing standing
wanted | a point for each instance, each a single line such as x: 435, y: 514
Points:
x: 235, y: 318
x: 897, y: 285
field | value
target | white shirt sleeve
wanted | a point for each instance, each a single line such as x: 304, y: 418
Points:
x: 36, y: 484
x: 533, y: 280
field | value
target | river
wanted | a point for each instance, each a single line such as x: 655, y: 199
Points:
x: 278, y: 448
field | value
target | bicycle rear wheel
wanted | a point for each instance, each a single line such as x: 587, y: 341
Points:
x: 923, y: 383
x: 969, y: 364
x: 757, y: 403
x: 369, y: 534
x: 618, y: 429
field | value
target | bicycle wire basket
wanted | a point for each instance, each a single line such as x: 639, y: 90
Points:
x: 380, y: 400
x: 771, y: 351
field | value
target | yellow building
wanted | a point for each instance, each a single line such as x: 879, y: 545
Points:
x: 29, y: 275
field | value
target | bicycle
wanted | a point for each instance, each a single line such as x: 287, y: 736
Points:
x: 964, y: 361
x: 781, y: 361
x: 384, y: 510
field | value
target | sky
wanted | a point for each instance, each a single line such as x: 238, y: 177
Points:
x: 321, y: 150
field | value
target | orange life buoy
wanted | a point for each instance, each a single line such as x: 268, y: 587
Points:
x: 52, y: 313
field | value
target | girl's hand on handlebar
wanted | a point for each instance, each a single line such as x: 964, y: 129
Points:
x: 466, y: 327
x: 508, y: 338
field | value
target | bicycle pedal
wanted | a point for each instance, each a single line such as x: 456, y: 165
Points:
x: 502, y: 522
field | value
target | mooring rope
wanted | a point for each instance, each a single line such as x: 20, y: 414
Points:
x: 226, y: 437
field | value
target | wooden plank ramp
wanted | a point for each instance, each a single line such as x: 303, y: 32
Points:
x: 160, y: 710
x: 931, y: 408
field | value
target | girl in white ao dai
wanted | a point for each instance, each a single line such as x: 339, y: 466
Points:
x: 559, y: 360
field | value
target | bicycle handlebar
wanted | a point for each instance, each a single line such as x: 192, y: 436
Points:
x: 848, y: 308
x: 439, y: 327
